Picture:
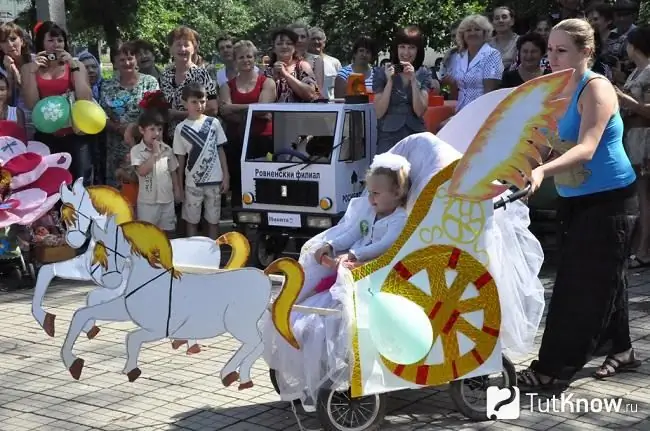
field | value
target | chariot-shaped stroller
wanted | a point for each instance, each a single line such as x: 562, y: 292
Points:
x: 471, y: 268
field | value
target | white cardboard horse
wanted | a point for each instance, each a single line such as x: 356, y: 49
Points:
x: 166, y: 303
x: 83, y: 207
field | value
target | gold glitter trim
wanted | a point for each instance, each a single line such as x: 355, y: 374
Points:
x: 446, y: 309
x: 356, y: 382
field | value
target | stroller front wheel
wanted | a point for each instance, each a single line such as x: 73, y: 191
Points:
x: 460, y: 390
x: 338, y: 411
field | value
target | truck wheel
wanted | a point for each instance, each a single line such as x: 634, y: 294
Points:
x: 266, y: 249
x: 468, y: 395
x: 338, y: 411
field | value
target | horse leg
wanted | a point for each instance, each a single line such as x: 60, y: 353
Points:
x: 248, y: 334
x: 74, y: 269
x: 114, y: 310
x: 96, y: 297
x: 43, y: 280
x: 176, y: 344
x: 193, y: 347
x: 134, y: 341
x: 246, y: 365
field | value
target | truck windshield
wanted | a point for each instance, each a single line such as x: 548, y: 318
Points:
x: 292, y: 137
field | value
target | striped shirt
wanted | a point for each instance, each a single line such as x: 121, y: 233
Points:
x: 346, y: 71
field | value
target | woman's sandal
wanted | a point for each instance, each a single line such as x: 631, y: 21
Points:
x: 530, y: 380
x: 613, y: 366
x: 637, y: 263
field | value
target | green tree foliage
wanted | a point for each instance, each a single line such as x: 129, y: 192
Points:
x: 267, y: 15
x: 152, y: 20
x: 644, y: 13
x: 342, y: 20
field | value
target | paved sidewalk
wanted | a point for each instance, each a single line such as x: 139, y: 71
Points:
x: 179, y: 392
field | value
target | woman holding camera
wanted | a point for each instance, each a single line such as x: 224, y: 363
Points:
x: 402, y: 90
x: 55, y: 72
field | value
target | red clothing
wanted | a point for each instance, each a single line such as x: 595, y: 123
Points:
x: 56, y: 87
x: 261, y: 126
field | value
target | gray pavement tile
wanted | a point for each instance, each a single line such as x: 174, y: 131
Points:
x: 180, y: 392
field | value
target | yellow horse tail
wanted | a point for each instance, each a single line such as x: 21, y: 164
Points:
x: 241, y: 249
x: 294, y: 277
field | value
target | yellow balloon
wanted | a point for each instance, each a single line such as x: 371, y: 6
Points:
x: 88, y: 117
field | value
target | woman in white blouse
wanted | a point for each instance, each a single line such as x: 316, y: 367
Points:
x: 476, y: 68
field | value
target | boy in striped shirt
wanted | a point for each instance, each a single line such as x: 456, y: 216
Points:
x: 198, y: 144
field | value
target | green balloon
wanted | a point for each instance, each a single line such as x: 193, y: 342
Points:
x: 399, y: 328
x: 51, y: 114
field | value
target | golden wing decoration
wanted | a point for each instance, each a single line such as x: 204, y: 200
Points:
x: 505, y: 146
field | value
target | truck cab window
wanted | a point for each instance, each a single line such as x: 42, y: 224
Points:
x: 353, y: 147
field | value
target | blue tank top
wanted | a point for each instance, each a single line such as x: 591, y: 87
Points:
x: 609, y: 169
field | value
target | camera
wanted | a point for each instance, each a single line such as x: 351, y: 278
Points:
x: 399, y: 68
x: 51, y: 56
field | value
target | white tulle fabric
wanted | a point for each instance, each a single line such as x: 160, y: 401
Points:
x: 322, y: 362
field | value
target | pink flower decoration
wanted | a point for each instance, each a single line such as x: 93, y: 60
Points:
x: 24, y: 207
x: 35, y: 178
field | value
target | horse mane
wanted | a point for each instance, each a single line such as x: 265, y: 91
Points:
x: 68, y: 215
x: 151, y: 243
x: 100, y: 255
x: 109, y: 202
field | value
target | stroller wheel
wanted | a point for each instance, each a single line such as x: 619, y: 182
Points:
x: 464, y: 392
x: 274, y: 381
x: 338, y: 411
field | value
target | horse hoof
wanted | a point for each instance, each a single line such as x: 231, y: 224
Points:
x: 246, y: 385
x: 230, y: 378
x: 194, y: 349
x: 76, y: 368
x: 133, y: 374
x: 178, y: 343
x: 48, y: 324
x: 93, y: 332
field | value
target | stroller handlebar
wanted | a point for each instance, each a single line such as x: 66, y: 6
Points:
x: 519, y: 194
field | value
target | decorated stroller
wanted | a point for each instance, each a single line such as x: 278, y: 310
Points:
x: 29, y: 180
x: 472, y: 270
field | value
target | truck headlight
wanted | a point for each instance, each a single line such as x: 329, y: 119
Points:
x: 247, y: 198
x: 325, y: 204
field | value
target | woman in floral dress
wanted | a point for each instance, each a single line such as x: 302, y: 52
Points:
x: 119, y: 98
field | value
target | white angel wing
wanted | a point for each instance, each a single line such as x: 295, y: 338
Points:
x: 461, y: 129
x: 506, y: 146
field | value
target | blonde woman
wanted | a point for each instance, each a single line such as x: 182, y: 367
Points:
x: 477, y: 67
x: 597, y: 209
x: 248, y: 87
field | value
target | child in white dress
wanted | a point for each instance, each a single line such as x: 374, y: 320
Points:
x: 387, y: 182
x: 300, y: 373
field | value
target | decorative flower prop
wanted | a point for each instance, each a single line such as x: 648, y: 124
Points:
x: 33, y: 166
x: 29, y: 180
x: 154, y: 100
